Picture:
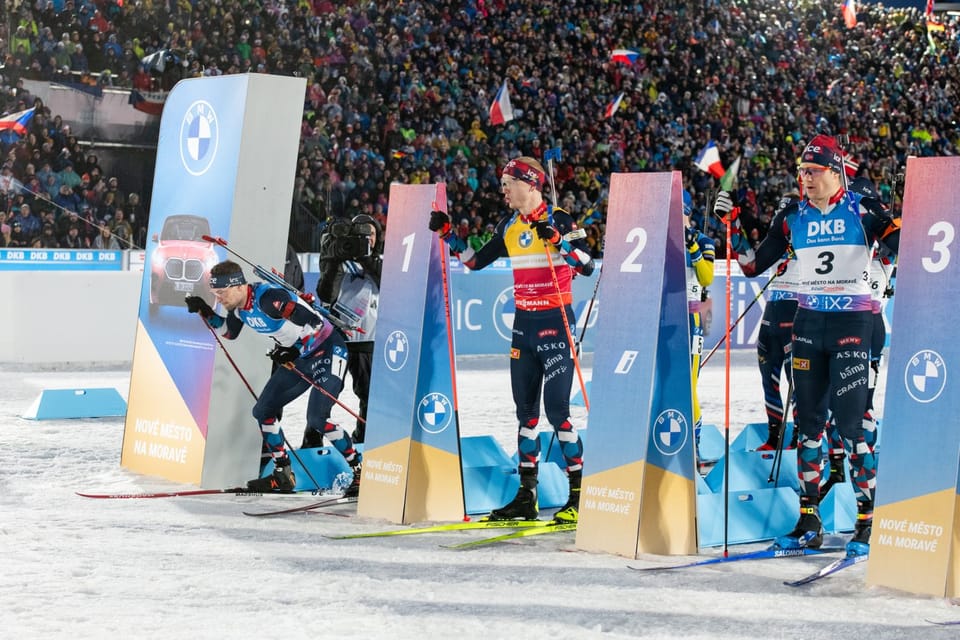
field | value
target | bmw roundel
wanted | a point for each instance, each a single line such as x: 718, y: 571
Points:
x: 199, y: 138
x: 925, y: 376
x: 504, y: 308
x: 670, y: 432
x: 525, y: 239
x: 434, y: 412
x: 396, y: 349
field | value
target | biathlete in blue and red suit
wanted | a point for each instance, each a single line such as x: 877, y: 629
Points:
x: 832, y: 232
x: 546, y: 250
x: 304, y: 343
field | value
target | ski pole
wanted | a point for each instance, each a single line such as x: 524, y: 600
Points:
x: 274, y: 278
x: 549, y: 155
x: 440, y: 204
x: 586, y: 317
x: 778, y: 455
x: 312, y: 383
x: 256, y: 398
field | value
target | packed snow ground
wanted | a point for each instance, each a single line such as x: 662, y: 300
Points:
x: 197, y: 568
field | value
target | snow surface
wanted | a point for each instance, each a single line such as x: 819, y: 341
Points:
x: 198, y: 568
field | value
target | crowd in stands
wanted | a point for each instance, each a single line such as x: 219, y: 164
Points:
x: 400, y: 92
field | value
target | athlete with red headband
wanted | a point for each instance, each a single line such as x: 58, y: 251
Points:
x: 540, y: 356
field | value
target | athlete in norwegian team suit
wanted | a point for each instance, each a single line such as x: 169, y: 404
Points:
x: 540, y: 355
x: 832, y: 232
x: 774, y: 341
x: 304, y: 340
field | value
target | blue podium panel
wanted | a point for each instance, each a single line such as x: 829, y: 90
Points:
x: 751, y: 470
x: 489, y: 475
x: 55, y: 404
x: 760, y: 514
x: 712, y: 443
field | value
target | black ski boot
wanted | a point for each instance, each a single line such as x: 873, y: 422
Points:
x: 859, y: 544
x: 311, y: 439
x: 524, y: 504
x: 570, y: 512
x: 281, y: 480
x: 353, y: 489
x: 774, y: 437
x: 838, y: 473
x: 809, y: 529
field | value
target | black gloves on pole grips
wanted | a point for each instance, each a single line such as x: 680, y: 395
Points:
x: 284, y: 355
x: 196, y: 304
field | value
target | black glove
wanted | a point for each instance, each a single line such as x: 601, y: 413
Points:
x: 546, y: 231
x: 196, y: 304
x: 284, y: 355
x: 440, y: 222
x: 690, y: 238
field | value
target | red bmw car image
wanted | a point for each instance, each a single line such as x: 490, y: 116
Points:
x: 180, y: 264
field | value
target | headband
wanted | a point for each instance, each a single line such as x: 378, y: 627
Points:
x: 523, y: 171
x: 224, y: 280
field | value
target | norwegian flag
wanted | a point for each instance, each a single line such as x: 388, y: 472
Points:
x: 613, y: 106
x: 501, y: 111
x: 850, y: 165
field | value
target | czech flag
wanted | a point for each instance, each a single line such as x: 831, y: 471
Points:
x: 709, y: 160
x: 849, y: 11
x: 612, y: 107
x: 627, y: 56
x: 17, y: 122
x: 501, y: 111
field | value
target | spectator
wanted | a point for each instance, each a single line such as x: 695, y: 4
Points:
x: 121, y: 229
x: 29, y: 222
x: 72, y: 239
x: 105, y: 240
x: 48, y: 239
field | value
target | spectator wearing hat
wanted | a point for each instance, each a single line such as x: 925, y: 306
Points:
x: 48, y: 237
x: 68, y: 176
x: 17, y: 236
x: 72, y: 239
x: 66, y: 199
x: 30, y: 223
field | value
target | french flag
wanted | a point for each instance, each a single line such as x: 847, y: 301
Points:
x: 501, y: 111
x: 613, y: 106
x: 709, y: 160
x: 849, y: 11
x: 627, y: 56
x: 17, y: 122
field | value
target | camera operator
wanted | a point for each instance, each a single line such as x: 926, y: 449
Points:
x: 351, y: 260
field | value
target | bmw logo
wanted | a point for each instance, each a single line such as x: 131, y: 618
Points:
x: 434, y: 412
x: 396, y: 350
x: 504, y: 308
x: 526, y: 239
x: 670, y: 432
x: 925, y: 376
x: 199, y: 137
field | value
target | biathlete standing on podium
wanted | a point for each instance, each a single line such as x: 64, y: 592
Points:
x: 832, y: 232
x: 546, y: 250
